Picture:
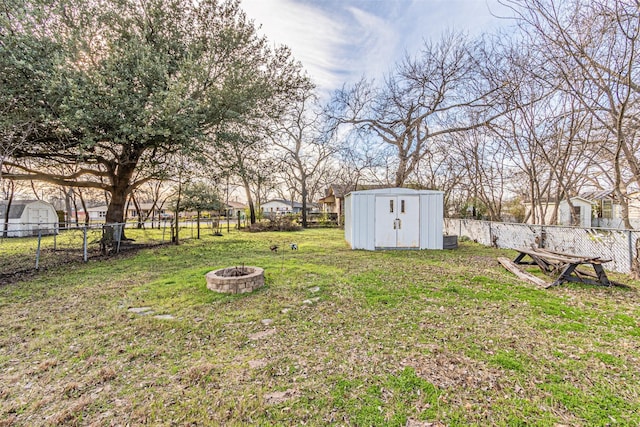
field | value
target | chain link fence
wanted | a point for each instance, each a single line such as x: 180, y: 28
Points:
x: 27, y: 247
x: 620, y: 246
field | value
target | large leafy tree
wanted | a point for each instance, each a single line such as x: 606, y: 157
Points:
x: 118, y: 89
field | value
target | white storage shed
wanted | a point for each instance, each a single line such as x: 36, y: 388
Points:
x: 28, y: 218
x: 394, y: 218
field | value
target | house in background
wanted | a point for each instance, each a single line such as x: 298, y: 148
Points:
x: 159, y: 212
x: 581, y: 209
x: 97, y: 213
x: 276, y: 207
x: 234, y: 208
x: 608, y: 210
x: 333, y: 201
x: 28, y: 218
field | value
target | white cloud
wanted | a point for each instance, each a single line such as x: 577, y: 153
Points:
x: 314, y: 37
x: 375, y: 43
x: 337, y: 41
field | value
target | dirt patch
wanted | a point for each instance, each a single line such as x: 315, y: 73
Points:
x: 262, y: 334
x: 278, y: 397
x: 17, y: 276
x: 257, y: 364
x: 448, y: 370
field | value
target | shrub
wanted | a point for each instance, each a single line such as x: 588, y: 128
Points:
x: 276, y: 224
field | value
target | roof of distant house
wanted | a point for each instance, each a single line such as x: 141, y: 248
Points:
x: 285, y: 202
x: 341, y: 190
x: 236, y: 205
x: 553, y: 200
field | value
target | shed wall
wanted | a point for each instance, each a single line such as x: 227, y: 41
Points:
x: 348, y: 220
x: 36, y: 216
x: 431, y: 221
x: 360, y: 220
x: 564, y: 213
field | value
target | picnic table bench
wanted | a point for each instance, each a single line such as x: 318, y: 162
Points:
x: 567, y: 264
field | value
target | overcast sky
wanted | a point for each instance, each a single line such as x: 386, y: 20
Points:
x: 338, y: 41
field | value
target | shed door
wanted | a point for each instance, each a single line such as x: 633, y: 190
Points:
x: 409, y: 222
x: 397, y: 222
x: 36, y: 217
x: 385, y: 222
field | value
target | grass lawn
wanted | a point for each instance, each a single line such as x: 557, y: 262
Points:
x: 335, y: 337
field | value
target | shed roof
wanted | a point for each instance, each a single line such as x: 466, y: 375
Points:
x: 392, y: 191
x: 16, y: 209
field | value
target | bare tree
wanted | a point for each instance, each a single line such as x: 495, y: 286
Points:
x: 304, y: 144
x: 482, y: 162
x: 430, y: 95
x: 593, y: 46
x: 241, y: 152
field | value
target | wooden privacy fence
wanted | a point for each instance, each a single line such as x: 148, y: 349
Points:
x: 620, y: 246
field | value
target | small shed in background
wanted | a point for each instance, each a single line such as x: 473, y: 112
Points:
x: 394, y: 218
x: 581, y: 212
x: 28, y: 218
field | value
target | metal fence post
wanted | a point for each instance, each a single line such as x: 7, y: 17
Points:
x: 38, y: 250
x: 490, y: 235
x: 630, y: 239
x: 84, y: 244
x: 120, y: 229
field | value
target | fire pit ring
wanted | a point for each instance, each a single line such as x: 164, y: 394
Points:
x: 235, y: 280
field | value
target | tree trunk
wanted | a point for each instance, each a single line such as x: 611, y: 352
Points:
x: 400, y: 174
x: 252, y: 212
x: 624, y: 208
x: 67, y: 206
x: 303, y: 191
x: 75, y: 211
x: 136, y: 205
x: 115, y: 210
x: 6, y: 213
x: 119, y: 192
x: 84, y: 207
x: 198, y: 221
x: 35, y: 192
x: 115, y: 215
x: 252, y: 209
x: 176, y: 234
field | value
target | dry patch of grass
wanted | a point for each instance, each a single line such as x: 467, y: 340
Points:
x: 335, y: 337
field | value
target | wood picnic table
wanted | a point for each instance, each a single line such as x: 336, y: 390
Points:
x: 567, y: 264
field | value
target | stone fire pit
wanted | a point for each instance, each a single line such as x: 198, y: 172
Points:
x: 235, y: 280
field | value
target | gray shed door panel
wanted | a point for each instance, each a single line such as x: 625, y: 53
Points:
x: 385, y: 220
x: 397, y: 221
x: 408, y: 222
